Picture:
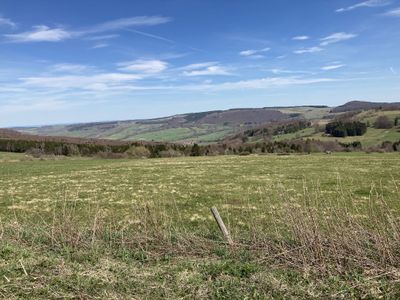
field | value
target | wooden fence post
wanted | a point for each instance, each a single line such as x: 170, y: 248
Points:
x: 221, y: 225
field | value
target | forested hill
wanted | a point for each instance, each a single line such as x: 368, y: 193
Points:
x: 202, y: 127
x: 219, y: 125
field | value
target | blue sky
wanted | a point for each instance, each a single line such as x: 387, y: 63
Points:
x: 80, y: 61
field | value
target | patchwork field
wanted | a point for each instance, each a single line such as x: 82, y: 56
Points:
x: 304, y: 226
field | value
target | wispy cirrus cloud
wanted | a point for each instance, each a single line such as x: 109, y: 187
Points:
x: 100, y: 81
x: 330, y: 39
x: 254, y: 53
x: 393, y: 13
x: 101, y: 45
x: 86, y: 81
x: 284, y: 71
x: 269, y: 82
x: 332, y: 67
x: 102, y: 37
x: 127, y: 23
x: 30, y: 106
x: 7, y: 22
x: 308, y: 50
x: 300, y: 38
x: 368, y: 3
x: 336, y: 38
x: 209, y: 71
x: 43, y: 33
x: 251, y: 84
x: 70, y: 68
x: 40, y: 33
x: 198, y: 66
x: 122, y: 82
x: 152, y: 66
x: 153, y: 36
x: 205, y: 69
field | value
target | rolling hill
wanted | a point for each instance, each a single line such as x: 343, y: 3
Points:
x: 222, y: 125
x: 374, y: 137
x: 203, y: 127
x: 365, y: 105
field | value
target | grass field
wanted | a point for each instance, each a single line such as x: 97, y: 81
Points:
x: 373, y: 136
x: 304, y: 226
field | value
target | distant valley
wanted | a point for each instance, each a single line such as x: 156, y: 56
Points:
x: 202, y: 127
x: 216, y: 126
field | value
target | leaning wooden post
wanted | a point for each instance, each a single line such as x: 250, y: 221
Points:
x: 221, y: 225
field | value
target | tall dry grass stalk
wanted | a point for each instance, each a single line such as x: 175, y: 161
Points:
x: 328, y: 237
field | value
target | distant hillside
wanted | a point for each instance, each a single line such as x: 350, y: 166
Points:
x: 228, y: 127
x: 9, y: 133
x: 15, y: 135
x: 201, y: 127
x: 210, y: 126
x: 374, y: 137
x: 365, y: 105
x: 243, y: 116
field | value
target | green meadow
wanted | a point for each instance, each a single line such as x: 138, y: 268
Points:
x: 304, y: 226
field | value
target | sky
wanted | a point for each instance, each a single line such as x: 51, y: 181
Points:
x: 95, y: 60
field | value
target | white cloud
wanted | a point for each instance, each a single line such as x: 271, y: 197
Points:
x: 332, y: 67
x: 254, y: 53
x: 40, y: 33
x: 70, y: 68
x: 43, y: 33
x: 255, y: 56
x: 208, y: 71
x: 205, y: 68
x: 29, y: 106
x: 144, y: 66
x: 103, y: 37
x: 393, y: 13
x: 369, y: 3
x: 337, y: 37
x: 283, y: 71
x: 97, y: 85
x: 101, y: 45
x: 308, y: 50
x: 263, y: 83
x: 247, y: 52
x: 301, y: 38
x: 86, y: 82
x: 11, y: 89
x: 199, y: 65
x: 7, y: 22
x: 128, y: 22
x: 393, y: 71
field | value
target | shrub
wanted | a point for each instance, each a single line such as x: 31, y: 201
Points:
x: 356, y: 145
x: 387, y: 146
x: 35, y: 152
x: 396, y: 146
x: 195, y: 150
x: 383, y: 122
x: 111, y: 155
x: 397, y: 121
x: 138, y: 152
x: 170, y: 153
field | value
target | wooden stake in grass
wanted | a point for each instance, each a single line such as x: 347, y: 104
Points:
x: 221, y: 225
x: 23, y: 268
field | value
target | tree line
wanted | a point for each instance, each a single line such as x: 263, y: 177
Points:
x: 343, y: 129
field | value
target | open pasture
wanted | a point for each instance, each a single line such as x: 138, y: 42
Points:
x: 304, y: 226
